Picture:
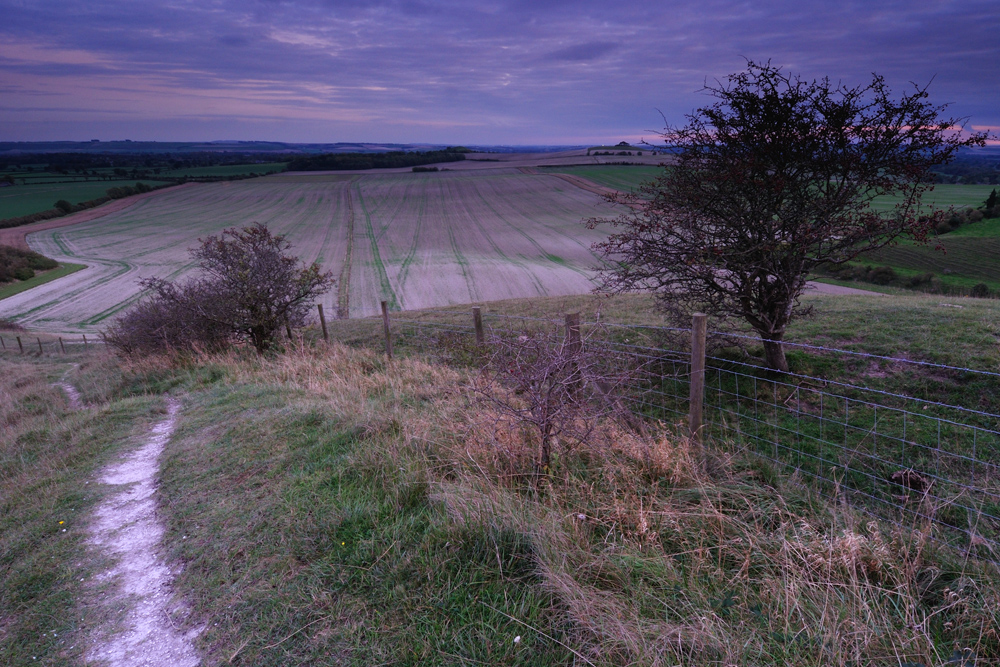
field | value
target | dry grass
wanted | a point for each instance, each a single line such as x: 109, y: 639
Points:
x: 638, y: 554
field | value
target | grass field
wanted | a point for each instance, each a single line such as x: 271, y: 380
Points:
x: 27, y: 199
x: 414, y: 240
x: 946, y: 195
x: 618, y: 177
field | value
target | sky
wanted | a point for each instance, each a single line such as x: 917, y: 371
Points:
x: 483, y: 72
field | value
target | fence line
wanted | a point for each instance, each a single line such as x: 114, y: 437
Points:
x: 23, y: 344
x: 903, y: 458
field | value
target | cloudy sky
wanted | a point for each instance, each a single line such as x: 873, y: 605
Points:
x: 454, y: 71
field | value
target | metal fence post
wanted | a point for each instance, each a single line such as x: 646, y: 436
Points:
x: 699, y: 326
x: 40, y: 350
x: 20, y: 345
x: 61, y: 346
x: 322, y: 322
x: 477, y: 320
x: 385, y: 327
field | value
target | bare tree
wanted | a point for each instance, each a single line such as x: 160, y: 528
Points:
x: 774, y: 178
x: 559, y: 389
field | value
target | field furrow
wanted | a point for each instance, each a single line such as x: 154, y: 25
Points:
x: 413, y: 239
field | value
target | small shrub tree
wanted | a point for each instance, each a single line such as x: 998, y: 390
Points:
x: 250, y: 290
x: 558, y: 390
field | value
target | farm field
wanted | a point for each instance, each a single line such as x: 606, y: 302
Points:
x: 618, y: 177
x: 945, y: 195
x: 414, y: 240
x: 27, y: 199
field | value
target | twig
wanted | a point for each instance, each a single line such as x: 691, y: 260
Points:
x: 574, y: 652
x: 297, y: 632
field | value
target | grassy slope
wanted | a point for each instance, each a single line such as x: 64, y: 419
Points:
x: 47, y: 452
x: 39, y: 279
x: 332, y: 508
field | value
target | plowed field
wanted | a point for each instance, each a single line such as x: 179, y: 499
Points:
x: 414, y: 240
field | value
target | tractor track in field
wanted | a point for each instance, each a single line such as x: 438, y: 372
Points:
x: 344, y: 280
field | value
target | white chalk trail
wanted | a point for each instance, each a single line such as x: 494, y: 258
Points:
x: 126, y: 528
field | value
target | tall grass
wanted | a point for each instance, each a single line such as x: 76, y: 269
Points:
x: 332, y: 507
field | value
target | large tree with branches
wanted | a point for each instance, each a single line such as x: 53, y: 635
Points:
x: 774, y: 178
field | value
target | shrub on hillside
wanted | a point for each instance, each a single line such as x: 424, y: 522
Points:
x: 882, y: 275
x: 251, y: 289
x: 17, y: 264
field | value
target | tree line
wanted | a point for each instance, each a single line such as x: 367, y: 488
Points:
x: 392, y: 159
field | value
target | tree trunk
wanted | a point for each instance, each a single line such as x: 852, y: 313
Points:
x: 774, y: 353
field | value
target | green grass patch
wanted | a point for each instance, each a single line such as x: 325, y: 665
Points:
x: 40, y: 279
x: 619, y: 177
x: 21, y: 200
x: 944, y: 196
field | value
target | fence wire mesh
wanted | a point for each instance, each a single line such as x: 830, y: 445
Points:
x: 855, y: 434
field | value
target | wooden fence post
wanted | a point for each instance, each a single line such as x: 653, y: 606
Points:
x: 288, y: 330
x: 85, y: 341
x: 699, y: 326
x: 40, y: 350
x: 322, y: 322
x: 20, y: 346
x: 573, y: 342
x: 477, y: 320
x: 3, y: 344
x: 385, y: 327
x: 61, y: 346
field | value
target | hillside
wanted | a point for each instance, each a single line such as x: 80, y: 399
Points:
x: 326, y: 506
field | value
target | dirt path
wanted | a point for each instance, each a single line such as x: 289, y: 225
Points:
x: 16, y: 236
x: 126, y: 527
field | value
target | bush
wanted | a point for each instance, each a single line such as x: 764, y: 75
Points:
x: 63, y: 206
x: 250, y: 291
x: 17, y: 264
x: 943, y: 227
x: 882, y: 275
x: 980, y: 290
x: 920, y: 280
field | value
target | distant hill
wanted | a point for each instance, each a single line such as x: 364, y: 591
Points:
x: 255, y: 147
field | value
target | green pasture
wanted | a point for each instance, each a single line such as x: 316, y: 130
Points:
x: 619, y: 177
x: 945, y: 195
x: 27, y: 199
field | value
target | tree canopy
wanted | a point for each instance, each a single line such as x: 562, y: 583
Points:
x: 774, y: 178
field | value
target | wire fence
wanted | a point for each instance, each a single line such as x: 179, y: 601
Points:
x: 874, y: 430
x: 25, y: 344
